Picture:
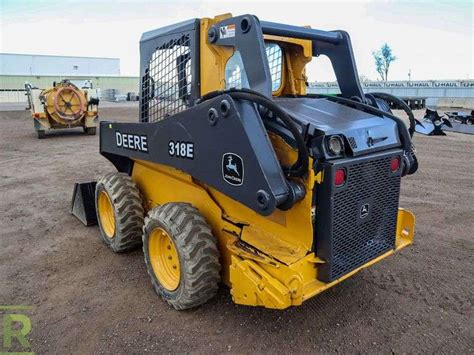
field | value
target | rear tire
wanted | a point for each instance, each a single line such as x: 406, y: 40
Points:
x: 119, y: 211
x: 90, y: 131
x: 193, y: 279
x: 41, y: 133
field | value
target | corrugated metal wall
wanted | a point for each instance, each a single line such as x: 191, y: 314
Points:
x: 17, y: 82
x: 32, y: 64
x: 12, y: 86
x: 457, y: 93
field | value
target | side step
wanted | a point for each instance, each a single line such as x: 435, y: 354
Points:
x: 83, y: 203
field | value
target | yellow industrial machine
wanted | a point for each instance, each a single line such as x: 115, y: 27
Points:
x: 63, y: 106
x: 236, y: 174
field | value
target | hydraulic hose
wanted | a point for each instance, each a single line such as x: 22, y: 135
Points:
x: 402, y: 130
x: 300, y: 168
x: 402, y: 104
x: 410, y: 158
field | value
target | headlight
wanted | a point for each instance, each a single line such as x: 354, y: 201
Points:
x: 335, y: 145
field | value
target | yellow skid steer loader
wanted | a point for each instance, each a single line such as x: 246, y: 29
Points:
x: 235, y: 173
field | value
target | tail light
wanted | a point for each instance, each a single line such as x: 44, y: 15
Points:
x: 395, y: 164
x: 340, y: 177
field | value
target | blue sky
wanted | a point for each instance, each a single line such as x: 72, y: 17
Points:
x: 432, y: 38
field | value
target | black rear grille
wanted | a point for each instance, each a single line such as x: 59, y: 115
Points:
x: 356, y: 222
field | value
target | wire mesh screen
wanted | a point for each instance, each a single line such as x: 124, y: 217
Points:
x: 236, y: 77
x: 274, y: 55
x: 166, y: 85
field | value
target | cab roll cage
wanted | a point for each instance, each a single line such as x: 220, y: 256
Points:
x: 248, y: 39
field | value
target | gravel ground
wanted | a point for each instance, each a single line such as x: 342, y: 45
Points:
x: 87, y: 299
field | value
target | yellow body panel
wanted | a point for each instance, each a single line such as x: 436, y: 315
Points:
x: 288, y: 234
x: 280, y: 286
x: 212, y: 58
x: 285, y: 235
x: 267, y: 261
x: 160, y: 184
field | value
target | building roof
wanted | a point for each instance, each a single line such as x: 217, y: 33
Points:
x: 58, y: 56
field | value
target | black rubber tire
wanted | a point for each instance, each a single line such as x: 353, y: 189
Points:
x: 90, y: 131
x: 128, y: 211
x: 41, y: 133
x: 197, y: 251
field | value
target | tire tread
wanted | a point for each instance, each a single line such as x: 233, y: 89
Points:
x: 193, y: 237
x: 129, y: 211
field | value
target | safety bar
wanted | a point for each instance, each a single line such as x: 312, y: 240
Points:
x: 278, y: 29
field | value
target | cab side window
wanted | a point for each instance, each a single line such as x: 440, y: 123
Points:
x: 166, y: 85
x: 235, y: 76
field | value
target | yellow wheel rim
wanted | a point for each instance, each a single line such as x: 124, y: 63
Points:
x: 164, y: 258
x: 106, y: 214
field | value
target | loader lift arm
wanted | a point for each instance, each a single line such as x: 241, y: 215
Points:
x: 237, y: 122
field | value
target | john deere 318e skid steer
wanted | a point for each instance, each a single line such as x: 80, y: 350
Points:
x: 235, y: 174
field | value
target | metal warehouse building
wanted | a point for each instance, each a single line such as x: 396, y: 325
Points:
x: 104, y: 73
x: 42, y: 70
x: 33, y: 64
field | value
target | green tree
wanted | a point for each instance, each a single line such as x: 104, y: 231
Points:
x: 383, y: 58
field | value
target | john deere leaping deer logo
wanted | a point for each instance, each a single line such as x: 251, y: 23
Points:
x: 233, y: 169
x: 232, y: 166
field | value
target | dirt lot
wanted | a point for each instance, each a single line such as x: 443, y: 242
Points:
x: 87, y: 299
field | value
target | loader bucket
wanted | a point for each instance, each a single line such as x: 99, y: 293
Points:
x: 460, y: 128
x: 432, y: 124
x: 426, y: 128
x: 83, y: 203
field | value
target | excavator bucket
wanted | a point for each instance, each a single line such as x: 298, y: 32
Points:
x: 83, y: 203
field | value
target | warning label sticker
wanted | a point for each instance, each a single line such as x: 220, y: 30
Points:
x: 227, y: 31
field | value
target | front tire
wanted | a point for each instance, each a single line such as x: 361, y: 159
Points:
x: 119, y: 211
x: 181, y: 255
